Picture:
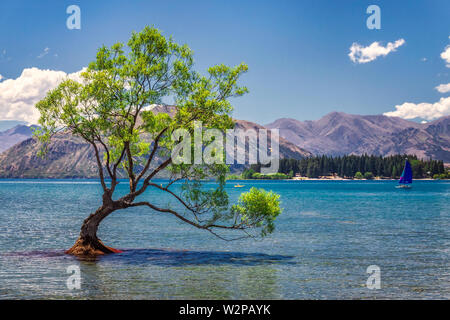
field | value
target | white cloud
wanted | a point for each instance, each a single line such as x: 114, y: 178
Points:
x: 445, y: 55
x: 44, y: 53
x: 443, y: 88
x: 423, y: 59
x: 360, y: 54
x: 18, y: 96
x: 427, y: 111
x: 1, y: 77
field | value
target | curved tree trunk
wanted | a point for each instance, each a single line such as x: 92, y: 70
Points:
x: 88, y: 244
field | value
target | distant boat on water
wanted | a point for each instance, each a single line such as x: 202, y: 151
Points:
x: 405, y: 181
x: 238, y: 185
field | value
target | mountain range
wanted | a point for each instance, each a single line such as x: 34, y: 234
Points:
x: 71, y: 157
x: 339, y: 133
x: 335, y: 134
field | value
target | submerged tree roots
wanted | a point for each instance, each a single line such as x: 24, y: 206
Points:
x: 94, y: 248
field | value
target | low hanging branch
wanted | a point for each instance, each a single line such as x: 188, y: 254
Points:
x: 109, y: 109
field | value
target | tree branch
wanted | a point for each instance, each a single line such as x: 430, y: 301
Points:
x: 207, y: 227
x: 147, y: 180
x: 100, y: 167
x: 150, y: 158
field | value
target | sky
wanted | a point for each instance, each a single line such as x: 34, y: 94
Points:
x: 305, y: 58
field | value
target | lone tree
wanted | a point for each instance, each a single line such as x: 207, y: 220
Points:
x: 109, y: 108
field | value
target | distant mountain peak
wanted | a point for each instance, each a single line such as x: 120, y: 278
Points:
x: 14, y: 135
x: 20, y: 129
x: 336, y: 114
x: 8, y: 124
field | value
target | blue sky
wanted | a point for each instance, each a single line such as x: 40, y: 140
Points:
x: 297, y: 51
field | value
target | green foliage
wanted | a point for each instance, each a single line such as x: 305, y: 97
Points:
x: 442, y: 176
x: 368, y: 175
x: 358, y: 175
x: 234, y: 177
x: 253, y: 173
x: 290, y: 174
x: 277, y: 176
x: 258, y: 207
x: 270, y: 176
x: 248, y: 173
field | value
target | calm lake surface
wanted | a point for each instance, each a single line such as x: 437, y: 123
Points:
x: 327, y: 236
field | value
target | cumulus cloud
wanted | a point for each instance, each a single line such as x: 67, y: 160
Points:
x: 44, y: 53
x: 445, y: 55
x: 427, y: 111
x: 18, y: 96
x: 443, y: 88
x: 1, y: 77
x: 360, y: 54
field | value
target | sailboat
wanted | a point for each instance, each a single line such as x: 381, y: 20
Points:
x: 406, y: 177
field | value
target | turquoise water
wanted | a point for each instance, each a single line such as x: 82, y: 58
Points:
x: 327, y: 236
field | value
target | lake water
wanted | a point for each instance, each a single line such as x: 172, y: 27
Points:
x: 326, y: 237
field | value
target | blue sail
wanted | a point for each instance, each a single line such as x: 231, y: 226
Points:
x: 406, y: 177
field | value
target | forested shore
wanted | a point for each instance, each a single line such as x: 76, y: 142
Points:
x: 351, y: 167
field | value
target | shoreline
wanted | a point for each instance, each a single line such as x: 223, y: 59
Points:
x: 334, y: 179
x: 292, y: 179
